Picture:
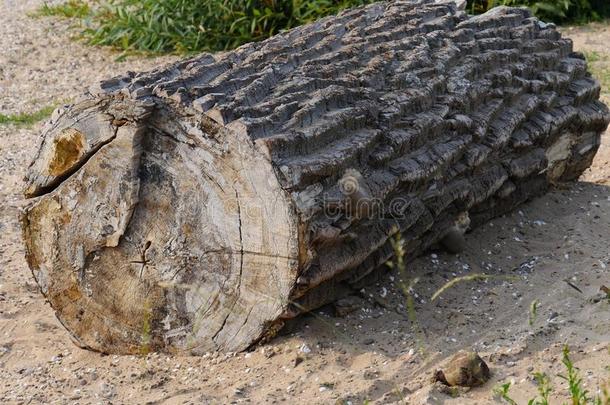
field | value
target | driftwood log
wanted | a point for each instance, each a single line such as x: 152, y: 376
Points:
x: 195, y: 207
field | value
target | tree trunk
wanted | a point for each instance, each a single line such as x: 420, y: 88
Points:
x: 195, y: 207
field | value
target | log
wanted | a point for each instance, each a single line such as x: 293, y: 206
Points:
x: 195, y: 207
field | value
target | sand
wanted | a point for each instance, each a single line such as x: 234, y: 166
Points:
x: 555, y: 249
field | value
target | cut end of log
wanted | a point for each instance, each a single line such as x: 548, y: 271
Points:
x: 155, y: 238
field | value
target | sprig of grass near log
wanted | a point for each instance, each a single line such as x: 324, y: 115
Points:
x: 469, y: 277
x: 533, y: 312
x: 406, y: 284
x: 27, y: 119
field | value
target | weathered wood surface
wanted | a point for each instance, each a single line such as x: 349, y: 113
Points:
x: 192, y: 208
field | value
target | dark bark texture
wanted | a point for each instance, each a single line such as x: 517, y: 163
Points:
x: 195, y: 207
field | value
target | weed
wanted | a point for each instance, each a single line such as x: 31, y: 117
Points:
x: 594, y: 56
x: 27, y: 119
x: 69, y: 9
x: 602, y: 74
x: 501, y: 391
x: 406, y: 286
x: 544, y: 389
x: 533, y: 311
x: 598, y: 66
x: 604, y: 395
x: 578, y: 393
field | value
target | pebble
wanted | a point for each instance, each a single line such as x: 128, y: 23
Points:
x: 305, y: 349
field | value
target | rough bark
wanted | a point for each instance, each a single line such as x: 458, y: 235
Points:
x: 192, y: 208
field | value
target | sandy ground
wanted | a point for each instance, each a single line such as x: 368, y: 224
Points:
x: 372, y: 354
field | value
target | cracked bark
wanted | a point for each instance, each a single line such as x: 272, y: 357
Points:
x: 229, y: 169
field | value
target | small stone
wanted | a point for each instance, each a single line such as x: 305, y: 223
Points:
x: 465, y: 369
x: 107, y: 390
x: 304, y: 348
x: 347, y: 305
x: 368, y: 341
x: 76, y: 395
x: 268, y: 352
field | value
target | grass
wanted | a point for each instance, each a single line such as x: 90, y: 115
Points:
x: 189, y: 26
x: 576, y: 391
x: 27, y: 119
x: 594, y: 56
x: 69, y: 9
x: 533, y: 312
x: 501, y: 391
x: 406, y: 287
x: 469, y: 277
x: 544, y: 389
x: 603, y: 75
x: 600, y: 69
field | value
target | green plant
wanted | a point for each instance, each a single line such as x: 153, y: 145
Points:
x: 544, y: 389
x: 406, y: 285
x: 533, y: 311
x: 69, y: 9
x: 578, y: 393
x: 188, y: 26
x: 26, y: 119
x: 603, y: 75
x: 594, y: 56
x: 599, y: 68
x: 501, y: 391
